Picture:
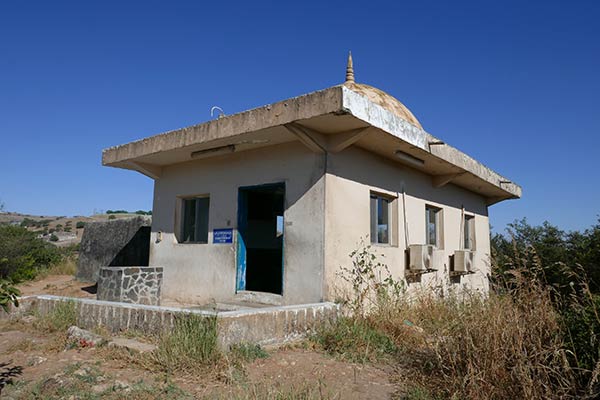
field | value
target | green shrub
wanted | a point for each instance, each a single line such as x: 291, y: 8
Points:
x: 27, y: 222
x: 552, y: 250
x: 582, y: 329
x: 567, y: 262
x: 22, y: 254
x: 53, y: 238
x: 80, y: 225
x: 8, y: 295
x: 247, y: 352
x: 111, y: 216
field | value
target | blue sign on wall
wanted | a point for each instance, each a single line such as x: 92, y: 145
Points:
x: 222, y: 235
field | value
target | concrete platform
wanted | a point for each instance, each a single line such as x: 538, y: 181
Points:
x: 271, y: 325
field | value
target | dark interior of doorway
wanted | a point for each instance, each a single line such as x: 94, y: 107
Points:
x: 264, y: 238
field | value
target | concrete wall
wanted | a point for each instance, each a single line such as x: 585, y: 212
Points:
x: 353, y: 174
x: 264, y: 326
x: 201, y: 273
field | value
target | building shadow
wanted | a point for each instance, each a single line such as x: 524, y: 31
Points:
x: 92, y: 289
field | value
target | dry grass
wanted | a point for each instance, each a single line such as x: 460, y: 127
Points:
x: 67, y: 266
x: 509, y: 345
x: 191, y: 344
x: 505, y: 346
x: 305, y: 391
x: 23, y: 345
x: 189, y: 349
x: 62, y: 316
x: 87, y: 381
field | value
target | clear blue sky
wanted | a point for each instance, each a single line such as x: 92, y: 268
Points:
x: 515, y: 84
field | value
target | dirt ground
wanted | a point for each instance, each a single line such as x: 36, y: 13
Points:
x: 59, y: 285
x: 34, y: 364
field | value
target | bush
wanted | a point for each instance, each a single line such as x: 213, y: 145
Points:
x: 582, y: 330
x: 80, y: 225
x: 111, y: 216
x: 53, y: 238
x: 551, y: 249
x: 568, y: 263
x: 8, y: 295
x: 247, y: 352
x: 22, y: 254
x: 27, y: 222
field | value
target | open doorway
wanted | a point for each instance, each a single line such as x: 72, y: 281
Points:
x: 260, y: 238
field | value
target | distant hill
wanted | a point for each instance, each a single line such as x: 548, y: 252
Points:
x: 62, y: 230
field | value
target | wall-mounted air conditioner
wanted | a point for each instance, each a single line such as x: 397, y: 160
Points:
x: 422, y: 257
x: 464, y: 261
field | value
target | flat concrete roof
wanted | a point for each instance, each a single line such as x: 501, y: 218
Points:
x: 328, y: 120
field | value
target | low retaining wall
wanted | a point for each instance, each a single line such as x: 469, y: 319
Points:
x: 137, y: 285
x: 264, y: 326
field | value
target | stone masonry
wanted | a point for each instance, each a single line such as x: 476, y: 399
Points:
x: 137, y: 285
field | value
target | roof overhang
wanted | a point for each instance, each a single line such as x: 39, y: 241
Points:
x: 328, y: 120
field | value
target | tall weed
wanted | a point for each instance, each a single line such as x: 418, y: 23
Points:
x: 59, y: 319
x: 510, y: 344
x: 192, y: 343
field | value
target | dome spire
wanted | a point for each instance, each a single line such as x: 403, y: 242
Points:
x: 349, y: 69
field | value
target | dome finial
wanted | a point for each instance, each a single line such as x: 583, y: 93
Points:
x: 350, y: 69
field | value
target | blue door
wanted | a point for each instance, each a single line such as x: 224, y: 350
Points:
x: 260, y: 238
x: 241, y: 245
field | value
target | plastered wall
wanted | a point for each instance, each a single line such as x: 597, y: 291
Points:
x: 202, y: 273
x: 326, y: 217
x: 352, y: 175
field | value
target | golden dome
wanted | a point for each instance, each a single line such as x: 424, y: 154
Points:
x: 379, y: 97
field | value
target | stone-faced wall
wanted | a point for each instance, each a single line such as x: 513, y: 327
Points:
x: 118, y: 242
x: 137, y: 285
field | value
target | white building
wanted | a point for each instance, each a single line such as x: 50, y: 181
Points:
x: 274, y: 199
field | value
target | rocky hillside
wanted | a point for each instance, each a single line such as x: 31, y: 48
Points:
x: 61, y: 230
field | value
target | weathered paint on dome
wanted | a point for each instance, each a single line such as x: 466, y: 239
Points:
x: 385, y: 100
